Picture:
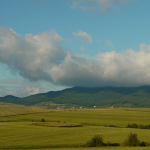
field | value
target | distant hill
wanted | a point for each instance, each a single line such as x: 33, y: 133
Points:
x: 89, y: 97
x: 10, y: 99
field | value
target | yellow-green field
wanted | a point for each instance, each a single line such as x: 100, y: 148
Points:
x: 20, y: 127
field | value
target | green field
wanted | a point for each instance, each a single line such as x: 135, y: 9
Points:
x: 21, y: 127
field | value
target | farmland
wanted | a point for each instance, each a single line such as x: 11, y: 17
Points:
x: 21, y: 127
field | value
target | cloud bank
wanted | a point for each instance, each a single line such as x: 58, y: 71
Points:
x: 83, y: 35
x: 41, y: 57
x: 97, y: 5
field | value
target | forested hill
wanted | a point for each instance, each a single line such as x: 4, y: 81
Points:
x: 90, y: 97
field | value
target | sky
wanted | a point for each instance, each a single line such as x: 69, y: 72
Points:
x: 49, y: 45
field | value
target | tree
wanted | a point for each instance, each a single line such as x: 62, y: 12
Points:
x: 132, y: 140
x: 96, y: 141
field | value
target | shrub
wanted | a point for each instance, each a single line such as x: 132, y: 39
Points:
x: 144, y: 144
x: 96, y: 141
x: 112, y: 144
x: 112, y: 125
x: 133, y: 125
x: 132, y: 140
x: 42, y: 120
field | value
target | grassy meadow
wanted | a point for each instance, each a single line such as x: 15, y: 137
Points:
x: 21, y: 127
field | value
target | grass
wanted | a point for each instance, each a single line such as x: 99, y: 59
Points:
x: 56, y: 124
x: 7, y: 109
x: 101, y: 148
x: 23, y: 130
x: 108, y: 148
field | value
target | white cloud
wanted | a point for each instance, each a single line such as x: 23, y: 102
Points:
x: 41, y: 57
x: 82, y: 48
x: 19, y: 87
x: 97, y: 5
x: 128, y: 68
x: 33, y: 55
x: 109, y: 43
x: 32, y: 90
x: 83, y: 35
x: 22, y: 87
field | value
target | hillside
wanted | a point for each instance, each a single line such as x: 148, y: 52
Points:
x: 89, y: 97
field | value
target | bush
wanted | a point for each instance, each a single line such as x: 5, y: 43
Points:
x: 112, y: 144
x: 42, y: 120
x: 133, y: 125
x: 96, y: 141
x: 132, y: 140
x: 144, y: 144
x: 112, y: 125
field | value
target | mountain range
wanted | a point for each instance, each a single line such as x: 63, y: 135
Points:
x: 89, y: 97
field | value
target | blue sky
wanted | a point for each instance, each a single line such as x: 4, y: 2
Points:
x: 53, y: 44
